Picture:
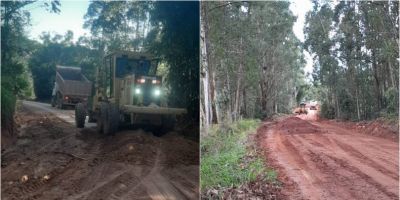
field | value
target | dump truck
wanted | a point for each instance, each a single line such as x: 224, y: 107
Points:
x: 70, y: 87
x: 128, y: 92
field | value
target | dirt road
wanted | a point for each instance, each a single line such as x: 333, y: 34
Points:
x: 54, y: 160
x: 321, y: 160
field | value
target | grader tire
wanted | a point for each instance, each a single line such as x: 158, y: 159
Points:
x: 101, y: 117
x: 111, y: 122
x: 80, y: 115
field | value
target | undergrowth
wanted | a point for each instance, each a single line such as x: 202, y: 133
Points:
x: 228, y: 158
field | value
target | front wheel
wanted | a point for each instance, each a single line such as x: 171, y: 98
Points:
x: 111, y: 123
x: 80, y: 115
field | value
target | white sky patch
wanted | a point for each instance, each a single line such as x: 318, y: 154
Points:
x: 69, y: 18
x: 299, y: 9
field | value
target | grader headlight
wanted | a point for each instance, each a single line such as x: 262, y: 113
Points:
x: 138, y: 91
x: 157, y: 92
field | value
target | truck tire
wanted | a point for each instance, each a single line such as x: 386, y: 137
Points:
x: 111, y: 123
x: 101, y: 117
x: 60, y: 104
x: 80, y: 115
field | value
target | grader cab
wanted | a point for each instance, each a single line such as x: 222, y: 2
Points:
x: 127, y: 91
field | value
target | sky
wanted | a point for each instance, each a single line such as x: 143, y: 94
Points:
x: 72, y: 12
x: 70, y: 18
x: 299, y: 9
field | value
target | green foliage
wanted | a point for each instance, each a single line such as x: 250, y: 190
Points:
x: 16, y: 49
x: 327, y: 111
x: 353, y: 43
x: 59, y: 50
x: 259, y: 37
x: 392, y: 101
x: 224, y: 159
x: 8, y: 100
x: 175, y: 38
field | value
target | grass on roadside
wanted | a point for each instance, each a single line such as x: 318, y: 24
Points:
x: 227, y: 159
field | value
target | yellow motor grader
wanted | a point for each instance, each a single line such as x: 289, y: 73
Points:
x: 301, y: 110
x: 127, y: 91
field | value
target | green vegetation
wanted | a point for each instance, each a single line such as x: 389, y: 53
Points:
x: 170, y: 30
x: 15, y: 52
x: 228, y: 160
x: 252, y: 63
x: 354, y: 45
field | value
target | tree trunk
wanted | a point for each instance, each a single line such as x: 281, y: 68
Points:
x: 205, y: 72
x: 239, y: 81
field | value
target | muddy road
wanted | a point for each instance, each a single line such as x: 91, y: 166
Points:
x: 322, y: 160
x: 54, y: 160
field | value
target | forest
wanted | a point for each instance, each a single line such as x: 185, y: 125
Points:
x: 253, y: 64
x: 162, y: 28
x: 253, y: 78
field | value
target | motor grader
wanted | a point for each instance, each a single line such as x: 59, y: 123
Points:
x: 301, y: 110
x: 128, y: 92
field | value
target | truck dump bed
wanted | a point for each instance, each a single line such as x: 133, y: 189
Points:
x: 72, y: 82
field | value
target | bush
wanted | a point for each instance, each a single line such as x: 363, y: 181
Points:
x: 8, y: 100
x: 224, y: 160
x: 391, y: 101
x: 327, y: 111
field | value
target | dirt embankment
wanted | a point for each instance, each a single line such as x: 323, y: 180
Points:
x: 324, y: 160
x: 53, y: 160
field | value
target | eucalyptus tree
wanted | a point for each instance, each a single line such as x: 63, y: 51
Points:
x: 253, y: 60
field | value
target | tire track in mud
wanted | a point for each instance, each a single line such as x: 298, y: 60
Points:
x: 322, y: 157
x: 82, y: 164
x: 330, y: 163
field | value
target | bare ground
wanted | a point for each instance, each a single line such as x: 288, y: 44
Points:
x: 51, y: 159
x: 317, y: 159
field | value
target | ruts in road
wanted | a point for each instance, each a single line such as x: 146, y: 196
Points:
x: 320, y: 160
x: 54, y: 160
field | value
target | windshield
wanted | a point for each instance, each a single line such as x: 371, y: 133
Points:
x: 127, y: 66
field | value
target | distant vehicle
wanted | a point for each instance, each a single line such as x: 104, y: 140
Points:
x: 301, y: 110
x: 129, y: 92
x: 70, y: 88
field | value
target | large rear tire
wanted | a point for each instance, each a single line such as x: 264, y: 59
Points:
x: 80, y: 115
x: 111, y: 123
x: 101, y: 117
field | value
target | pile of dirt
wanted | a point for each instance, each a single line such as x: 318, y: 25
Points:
x: 295, y: 125
x: 378, y: 128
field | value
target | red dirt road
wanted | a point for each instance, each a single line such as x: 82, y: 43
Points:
x: 319, y: 160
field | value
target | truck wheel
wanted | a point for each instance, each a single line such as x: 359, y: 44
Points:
x: 80, y: 115
x: 111, y: 124
x: 101, y: 117
x: 59, y: 101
